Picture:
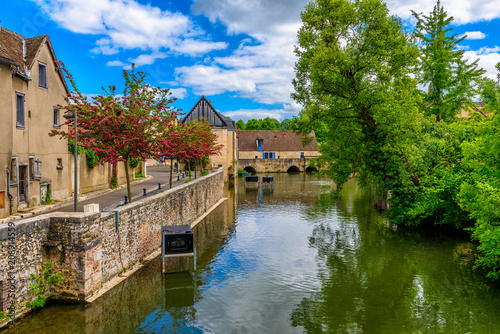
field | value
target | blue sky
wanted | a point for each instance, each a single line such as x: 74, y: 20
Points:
x: 238, y: 53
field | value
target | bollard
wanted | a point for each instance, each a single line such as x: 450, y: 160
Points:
x: 144, y: 192
x: 126, y: 199
x: 159, y: 185
x: 177, y: 177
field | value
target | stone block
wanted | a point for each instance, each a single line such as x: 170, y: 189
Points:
x: 93, y: 207
x: 98, y: 255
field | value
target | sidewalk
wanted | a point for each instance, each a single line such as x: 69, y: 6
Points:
x: 109, y: 198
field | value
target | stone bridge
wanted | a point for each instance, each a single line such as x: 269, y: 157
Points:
x: 275, y: 165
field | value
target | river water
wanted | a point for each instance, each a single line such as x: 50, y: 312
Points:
x: 290, y: 259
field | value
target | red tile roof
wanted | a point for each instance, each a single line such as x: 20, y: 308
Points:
x: 273, y: 140
x: 21, y: 52
x: 11, y: 46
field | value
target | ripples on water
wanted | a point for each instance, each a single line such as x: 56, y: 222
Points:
x: 291, y: 260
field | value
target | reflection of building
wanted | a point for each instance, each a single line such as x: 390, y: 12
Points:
x: 274, y: 151
x: 224, y: 128
x: 33, y: 167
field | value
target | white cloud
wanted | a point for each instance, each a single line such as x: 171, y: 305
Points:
x: 116, y: 63
x: 474, y: 35
x: 179, y: 93
x: 464, y: 11
x: 253, y: 17
x: 488, y: 58
x: 485, y: 50
x: 128, y: 25
x: 261, y: 72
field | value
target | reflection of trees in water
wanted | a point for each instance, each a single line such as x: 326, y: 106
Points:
x: 375, y: 279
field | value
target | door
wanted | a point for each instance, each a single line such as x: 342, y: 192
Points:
x: 22, y: 184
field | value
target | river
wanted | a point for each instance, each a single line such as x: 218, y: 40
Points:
x: 290, y: 259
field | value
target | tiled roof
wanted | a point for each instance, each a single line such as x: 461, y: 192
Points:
x: 11, y: 51
x: 11, y: 46
x: 273, y: 140
x: 32, y: 47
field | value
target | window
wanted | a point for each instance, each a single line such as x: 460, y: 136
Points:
x: 42, y: 75
x: 59, y: 163
x: 20, y: 111
x: 56, y: 118
x: 35, y: 168
x: 302, y: 155
x: 260, y: 143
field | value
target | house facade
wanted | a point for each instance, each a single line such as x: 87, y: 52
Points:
x: 33, y: 166
x: 224, y: 128
x: 274, y: 144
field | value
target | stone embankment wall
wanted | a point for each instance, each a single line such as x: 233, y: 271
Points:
x: 91, y: 247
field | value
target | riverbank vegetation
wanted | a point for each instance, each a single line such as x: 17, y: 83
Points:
x: 395, y: 108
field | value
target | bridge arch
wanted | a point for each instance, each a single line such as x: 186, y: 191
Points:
x: 293, y: 169
x: 310, y: 169
x: 250, y: 169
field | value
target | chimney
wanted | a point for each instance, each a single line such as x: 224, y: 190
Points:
x: 210, y: 101
x: 0, y: 25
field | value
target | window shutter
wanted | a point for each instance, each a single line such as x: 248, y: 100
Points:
x: 13, y: 170
x: 38, y: 169
x: 32, y: 168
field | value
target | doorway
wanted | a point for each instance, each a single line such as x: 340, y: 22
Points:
x: 22, y: 184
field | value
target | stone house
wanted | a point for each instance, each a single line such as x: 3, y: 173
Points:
x: 274, y: 144
x: 33, y: 166
x: 224, y: 128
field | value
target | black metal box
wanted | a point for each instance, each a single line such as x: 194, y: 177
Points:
x: 178, y: 239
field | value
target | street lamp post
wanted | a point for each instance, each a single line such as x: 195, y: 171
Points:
x: 75, y: 191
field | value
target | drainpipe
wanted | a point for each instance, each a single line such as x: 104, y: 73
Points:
x: 11, y: 198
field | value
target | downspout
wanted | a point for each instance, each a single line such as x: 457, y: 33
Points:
x: 11, y: 198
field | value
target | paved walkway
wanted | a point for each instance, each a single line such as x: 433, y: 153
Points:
x: 109, y: 200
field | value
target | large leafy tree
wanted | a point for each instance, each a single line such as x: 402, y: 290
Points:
x: 449, y: 80
x: 480, y: 192
x: 120, y: 127
x: 353, y: 79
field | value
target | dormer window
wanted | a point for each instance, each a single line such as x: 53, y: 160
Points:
x: 42, y: 75
x: 260, y: 143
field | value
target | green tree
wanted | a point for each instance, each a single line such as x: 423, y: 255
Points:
x: 353, y: 79
x: 449, y: 79
x: 253, y: 124
x: 285, y: 124
x: 480, y: 193
x: 269, y: 124
x: 240, y: 125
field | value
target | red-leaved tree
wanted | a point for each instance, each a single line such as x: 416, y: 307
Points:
x: 120, y: 127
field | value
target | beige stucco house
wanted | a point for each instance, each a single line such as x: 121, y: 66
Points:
x: 224, y: 128
x: 33, y: 166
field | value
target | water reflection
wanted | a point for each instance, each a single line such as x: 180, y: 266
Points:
x: 291, y: 259
x: 374, y: 279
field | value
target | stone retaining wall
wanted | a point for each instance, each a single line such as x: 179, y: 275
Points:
x: 89, y: 247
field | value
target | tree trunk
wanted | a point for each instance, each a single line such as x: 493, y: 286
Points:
x: 195, y: 168
x: 171, y: 170
x: 129, y: 193
x: 189, y: 169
